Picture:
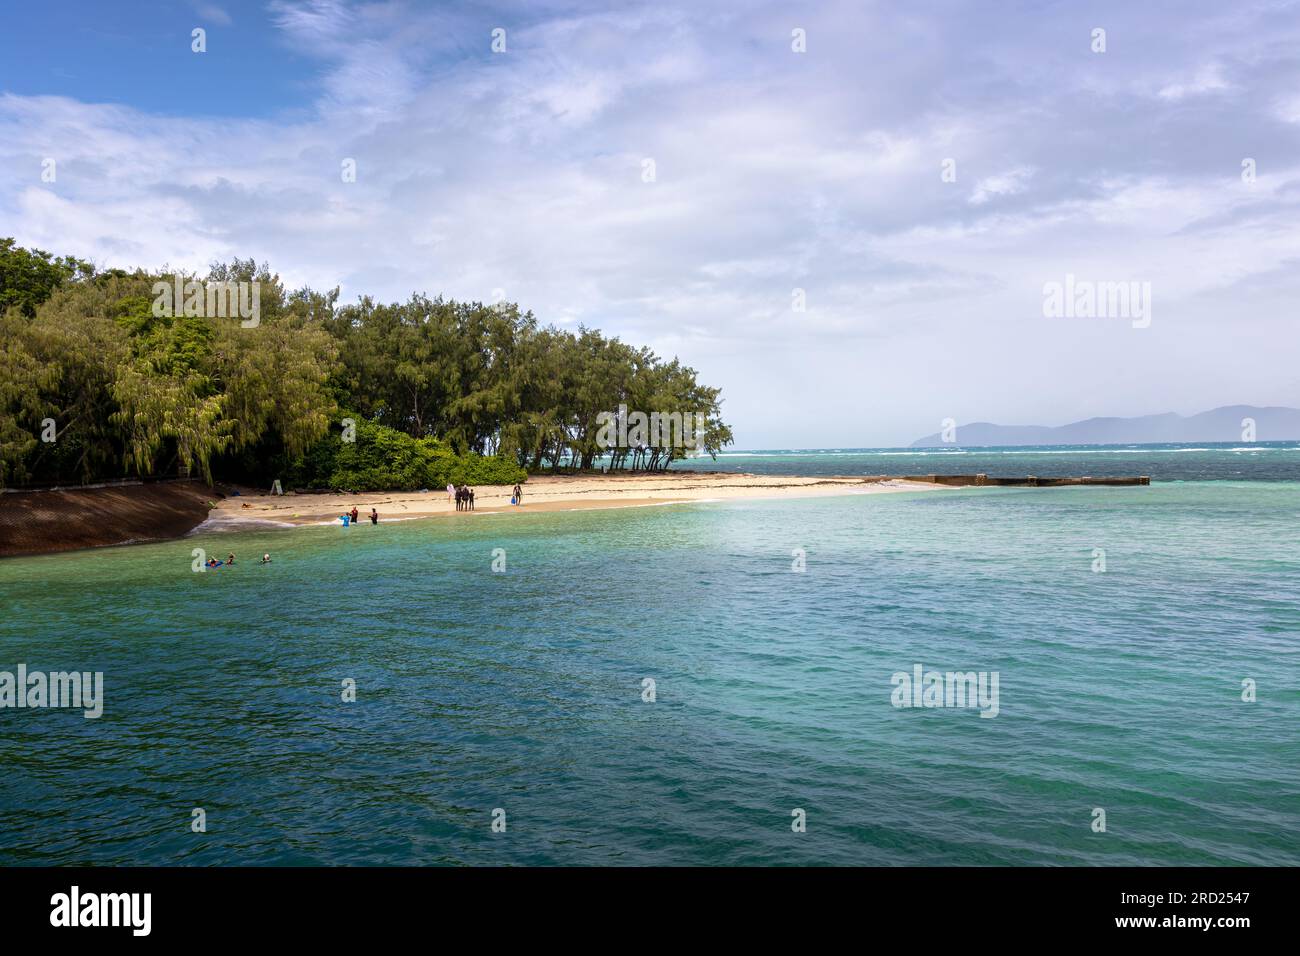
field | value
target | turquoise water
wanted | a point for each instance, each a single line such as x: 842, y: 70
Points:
x: 1223, y: 461
x: 522, y: 690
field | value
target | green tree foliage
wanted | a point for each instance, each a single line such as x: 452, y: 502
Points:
x: 135, y: 392
x: 59, y: 368
x: 489, y: 380
x: 379, y: 457
x: 441, y: 390
x: 29, y: 276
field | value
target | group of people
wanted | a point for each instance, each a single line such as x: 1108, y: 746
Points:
x: 230, y: 559
x: 352, y: 517
x: 463, y: 496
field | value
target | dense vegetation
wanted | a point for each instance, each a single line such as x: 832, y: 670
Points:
x: 381, y: 457
x: 435, y: 390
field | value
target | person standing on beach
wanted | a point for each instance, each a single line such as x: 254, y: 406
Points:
x: 519, y: 495
x: 354, y: 514
x: 470, y: 492
x: 374, y: 516
x: 451, y: 492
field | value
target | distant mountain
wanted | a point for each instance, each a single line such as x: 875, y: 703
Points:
x: 1220, y: 424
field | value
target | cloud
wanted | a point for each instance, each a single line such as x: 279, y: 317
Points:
x: 1208, y: 79
x: 774, y: 171
x: 211, y: 12
x: 1004, y: 184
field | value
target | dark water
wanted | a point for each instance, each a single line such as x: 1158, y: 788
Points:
x: 1261, y: 461
x: 522, y: 690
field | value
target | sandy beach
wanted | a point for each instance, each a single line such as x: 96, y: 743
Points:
x: 44, y: 522
x: 546, y: 493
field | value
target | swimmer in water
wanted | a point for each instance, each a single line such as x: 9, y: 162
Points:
x: 266, y: 559
x: 230, y: 559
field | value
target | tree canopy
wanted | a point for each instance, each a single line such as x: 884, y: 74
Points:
x: 28, y: 276
x: 96, y: 381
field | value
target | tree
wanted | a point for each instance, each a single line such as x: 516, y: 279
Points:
x: 29, y: 276
x: 136, y: 388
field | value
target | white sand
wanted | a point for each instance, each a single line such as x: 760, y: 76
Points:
x: 544, y: 493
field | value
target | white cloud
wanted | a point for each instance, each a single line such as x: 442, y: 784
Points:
x: 1004, y: 184
x: 1208, y: 79
x: 775, y: 170
x: 211, y: 13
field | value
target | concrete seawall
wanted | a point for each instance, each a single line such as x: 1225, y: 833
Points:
x: 41, y: 522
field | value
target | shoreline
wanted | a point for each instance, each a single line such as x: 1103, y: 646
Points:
x: 542, y: 494
x: 60, y: 520
x: 57, y: 521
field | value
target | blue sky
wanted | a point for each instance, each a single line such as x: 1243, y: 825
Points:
x: 523, y: 173
x: 138, y: 54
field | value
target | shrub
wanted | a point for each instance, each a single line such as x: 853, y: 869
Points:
x: 474, y: 469
x: 383, y: 459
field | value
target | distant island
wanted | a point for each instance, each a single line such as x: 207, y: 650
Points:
x: 1272, y: 423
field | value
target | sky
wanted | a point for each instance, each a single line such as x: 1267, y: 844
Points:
x: 844, y: 214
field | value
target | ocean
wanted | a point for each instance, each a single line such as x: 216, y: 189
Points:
x: 1257, y: 461
x: 1144, y: 642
